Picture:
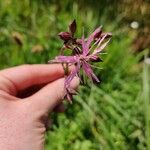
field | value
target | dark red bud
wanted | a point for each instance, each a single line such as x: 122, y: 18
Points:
x: 65, y: 36
x: 72, y: 27
x: 98, y: 34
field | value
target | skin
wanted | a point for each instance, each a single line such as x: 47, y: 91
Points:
x: 28, y: 94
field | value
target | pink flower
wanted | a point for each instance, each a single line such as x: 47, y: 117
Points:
x: 89, y: 52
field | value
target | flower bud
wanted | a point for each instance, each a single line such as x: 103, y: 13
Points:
x: 98, y: 34
x: 72, y: 27
x: 65, y: 36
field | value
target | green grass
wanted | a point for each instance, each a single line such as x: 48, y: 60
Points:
x: 146, y: 96
x: 108, y: 116
x: 111, y: 115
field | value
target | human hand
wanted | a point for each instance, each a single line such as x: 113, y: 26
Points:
x: 24, y: 112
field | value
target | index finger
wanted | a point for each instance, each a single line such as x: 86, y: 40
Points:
x: 24, y: 76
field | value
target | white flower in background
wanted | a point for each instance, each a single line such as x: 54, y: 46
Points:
x: 134, y: 25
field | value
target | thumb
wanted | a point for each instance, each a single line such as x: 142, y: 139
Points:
x: 51, y: 95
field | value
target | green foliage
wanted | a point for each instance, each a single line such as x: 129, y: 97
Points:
x: 108, y: 116
x: 112, y: 115
x: 146, y: 97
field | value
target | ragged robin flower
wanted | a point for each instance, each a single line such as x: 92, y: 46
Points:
x: 89, y: 52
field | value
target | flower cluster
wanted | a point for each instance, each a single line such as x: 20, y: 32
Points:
x: 84, y: 52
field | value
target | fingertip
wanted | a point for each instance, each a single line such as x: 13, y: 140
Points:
x: 75, y: 83
x: 52, y: 95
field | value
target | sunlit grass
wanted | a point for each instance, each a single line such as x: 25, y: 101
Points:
x: 146, y: 98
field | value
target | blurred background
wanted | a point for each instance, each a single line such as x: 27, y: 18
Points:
x: 112, y: 115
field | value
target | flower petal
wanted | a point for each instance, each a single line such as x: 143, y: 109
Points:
x: 72, y: 75
x: 84, y: 47
x: 90, y: 39
x: 100, y: 48
x: 65, y: 59
x: 93, y: 35
x: 68, y: 91
x: 89, y: 72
